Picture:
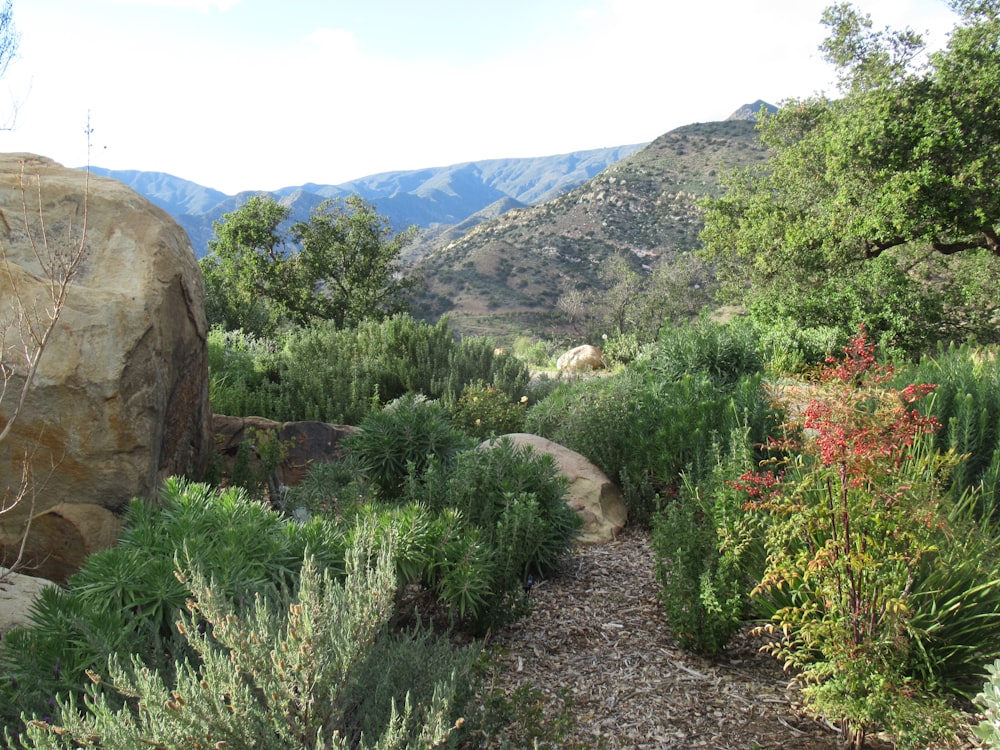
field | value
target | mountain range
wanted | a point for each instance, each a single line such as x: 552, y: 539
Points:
x: 427, y: 198
x: 504, y: 239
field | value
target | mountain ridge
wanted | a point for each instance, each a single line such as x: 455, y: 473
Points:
x: 423, y: 197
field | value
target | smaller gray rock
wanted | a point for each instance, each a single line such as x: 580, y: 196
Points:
x: 18, y: 593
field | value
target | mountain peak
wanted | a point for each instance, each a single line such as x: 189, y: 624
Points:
x: 749, y: 111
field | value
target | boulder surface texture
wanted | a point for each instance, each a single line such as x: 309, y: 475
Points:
x: 120, y: 398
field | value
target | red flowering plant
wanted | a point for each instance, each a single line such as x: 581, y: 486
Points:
x: 853, y: 506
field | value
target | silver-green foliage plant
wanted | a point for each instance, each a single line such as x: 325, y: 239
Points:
x: 275, y: 677
x: 988, y: 730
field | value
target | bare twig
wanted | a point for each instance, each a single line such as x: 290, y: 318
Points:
x: 31, y: 318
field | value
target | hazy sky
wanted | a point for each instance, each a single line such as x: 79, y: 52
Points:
x: 261, y: 94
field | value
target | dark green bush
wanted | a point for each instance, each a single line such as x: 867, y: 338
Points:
x: 514, y: 503
x: 643, y: 429
x: 400, y: 439
x: 710, y: 553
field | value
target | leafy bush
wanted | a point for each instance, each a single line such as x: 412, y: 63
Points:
x: 643, y: 430
x: 483, y: 411
x: 318, y: 674
x: 710, y: 553
x: 854, y: 516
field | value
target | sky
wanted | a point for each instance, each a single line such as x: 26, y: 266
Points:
x: 259, y: 94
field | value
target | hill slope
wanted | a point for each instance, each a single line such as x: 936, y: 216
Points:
x: 507, y: 274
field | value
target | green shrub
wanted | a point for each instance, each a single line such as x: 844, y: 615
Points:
x: 535, y: 352
x: 710, y: 553
x: 966, y: 403
x: 323, y: 373
x: 954, y: 607
x: 315, y: 673
x: 125, y: 599
x: 242, y: 373
x: 791, y: 349
x: 512, y: 502
x: 400, y: 440
x: 483, y: 411
x: 643, y: 430
x: 725, y: 352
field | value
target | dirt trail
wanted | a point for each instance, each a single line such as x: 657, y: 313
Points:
x: 597, y: 636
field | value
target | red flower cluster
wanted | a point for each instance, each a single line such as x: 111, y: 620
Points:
x: 759, y: 485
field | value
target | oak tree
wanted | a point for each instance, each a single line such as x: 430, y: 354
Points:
x: 343, y: 264
x: 904, y: 163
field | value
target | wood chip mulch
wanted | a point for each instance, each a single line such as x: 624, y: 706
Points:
x: 597, y: 645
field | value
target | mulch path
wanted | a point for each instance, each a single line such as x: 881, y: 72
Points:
x: 597, y: 646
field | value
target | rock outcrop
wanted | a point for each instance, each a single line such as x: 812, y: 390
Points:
x: 120, y: 399
x: 591, y: 494
x: 581, y: 359
x: 303, y: 443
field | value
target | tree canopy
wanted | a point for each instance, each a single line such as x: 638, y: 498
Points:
x: 906, y: 159
x: 341, y: 265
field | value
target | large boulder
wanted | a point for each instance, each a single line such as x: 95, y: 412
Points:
x: 581, y: 359
x: 120, y: 398
x: 591, y: 494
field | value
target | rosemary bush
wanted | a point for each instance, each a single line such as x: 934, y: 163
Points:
x: 710, y: 553
x: 328, y: 374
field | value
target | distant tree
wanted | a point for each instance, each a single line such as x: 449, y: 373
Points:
x: 907, y: 159
x: 341, y: 265
x: 628, y: 302
x: 243, y: 288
